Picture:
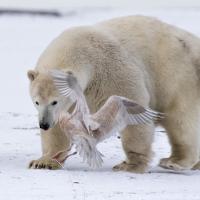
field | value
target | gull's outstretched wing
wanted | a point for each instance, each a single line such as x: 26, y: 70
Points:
x: 68, y: 86
x: 119, y: 112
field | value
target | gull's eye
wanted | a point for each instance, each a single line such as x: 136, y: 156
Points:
x: 37, y: 103
x: 54, y: 103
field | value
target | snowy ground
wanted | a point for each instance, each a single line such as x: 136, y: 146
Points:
x: 21, y: 41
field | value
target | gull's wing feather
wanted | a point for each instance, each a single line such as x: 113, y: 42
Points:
x: 119, y: 112
x: 68, y: 86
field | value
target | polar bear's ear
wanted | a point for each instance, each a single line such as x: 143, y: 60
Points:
x: 32, y: 75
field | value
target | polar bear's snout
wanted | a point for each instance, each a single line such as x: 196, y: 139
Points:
x: 44, y: 126
x: 44, y: 119
x: 47, y: 116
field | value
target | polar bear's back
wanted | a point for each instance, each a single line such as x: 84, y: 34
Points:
x: 151, y: 37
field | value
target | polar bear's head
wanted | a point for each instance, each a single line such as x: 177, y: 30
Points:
x: 46, y: 98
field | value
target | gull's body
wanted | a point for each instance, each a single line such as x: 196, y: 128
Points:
x: 86, y: 130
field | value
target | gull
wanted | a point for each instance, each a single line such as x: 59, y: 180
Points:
x: 85, y: 129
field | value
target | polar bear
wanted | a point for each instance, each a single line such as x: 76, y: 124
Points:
x: 141, y: 58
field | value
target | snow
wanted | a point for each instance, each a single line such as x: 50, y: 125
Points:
x: 22, y: 39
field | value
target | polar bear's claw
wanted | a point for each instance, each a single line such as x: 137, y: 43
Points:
x: 44, y: 163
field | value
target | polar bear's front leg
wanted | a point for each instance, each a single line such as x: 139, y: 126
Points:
x: 53, y: 141
x: 136, y: 142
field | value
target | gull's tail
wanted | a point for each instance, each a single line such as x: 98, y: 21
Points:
x: 88, y: 151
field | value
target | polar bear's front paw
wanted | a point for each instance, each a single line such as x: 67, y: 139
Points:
x: 169, y: 163
x: 44, y: 163
x: 124, y: 166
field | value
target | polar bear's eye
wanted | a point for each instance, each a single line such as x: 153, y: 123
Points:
x: 54, y: 103
x: 37, y: 103
x: 69, y: 72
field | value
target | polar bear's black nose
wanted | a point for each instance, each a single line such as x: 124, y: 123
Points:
x: 44, y: 126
